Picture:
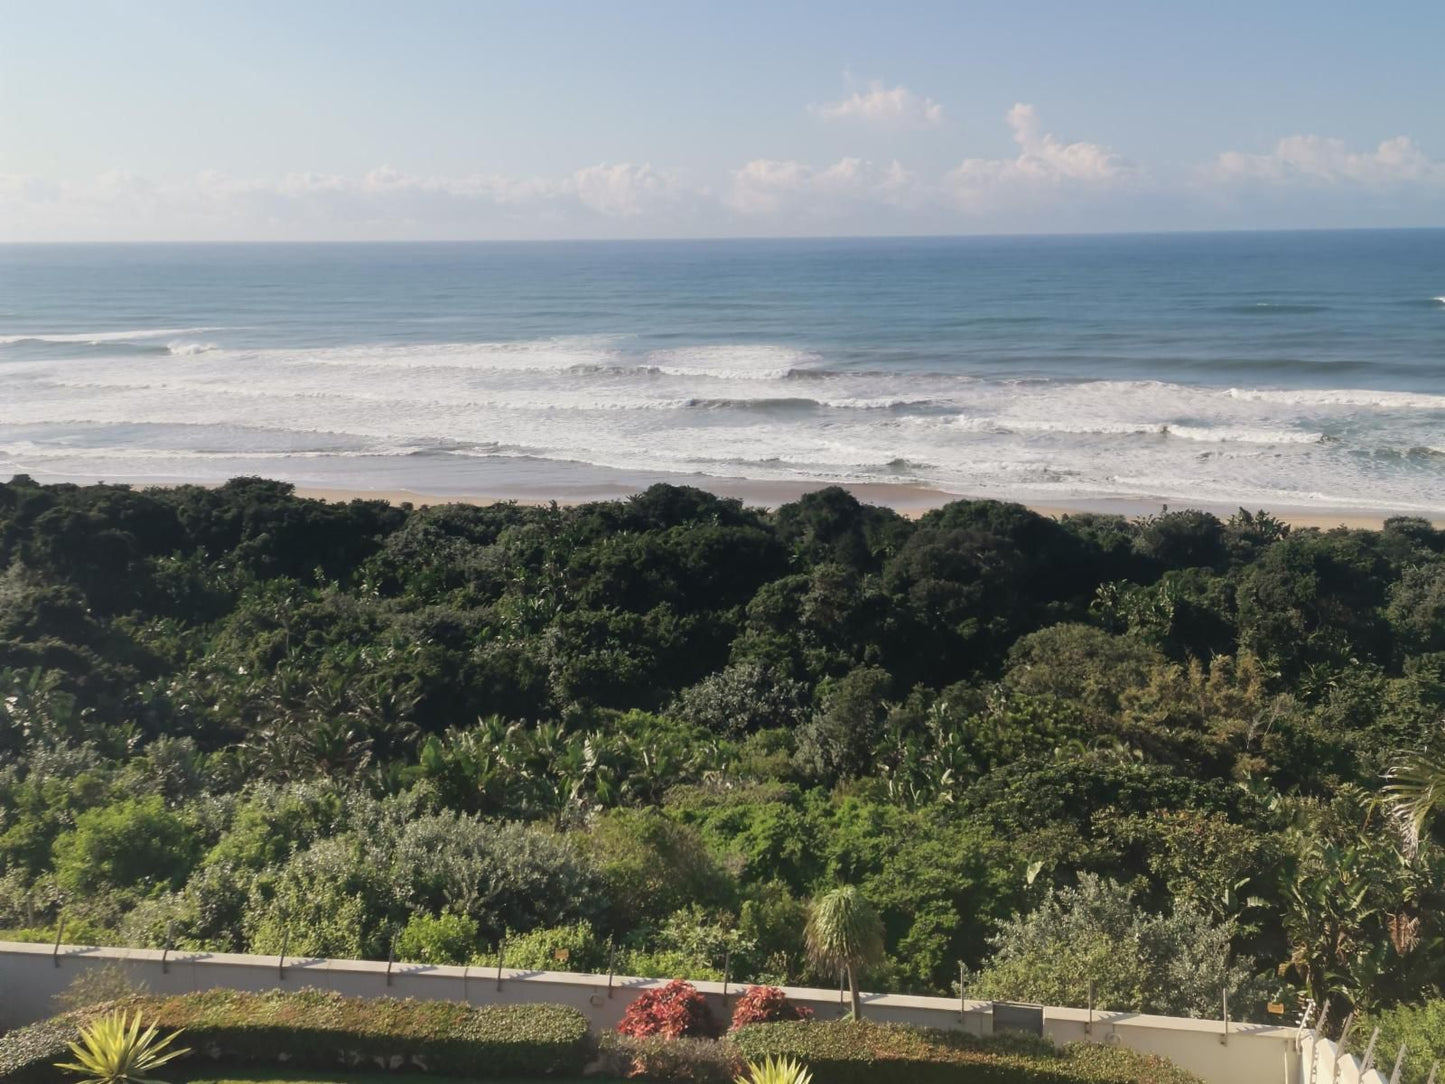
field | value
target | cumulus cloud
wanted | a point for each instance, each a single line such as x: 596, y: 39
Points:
x: 767, y: 187
x: 1324, y: 161
x: 897, y: 106
x: 624, y: 189
x: 1043, y: 162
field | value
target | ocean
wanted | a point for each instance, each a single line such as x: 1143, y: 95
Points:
x: 1277, y: 370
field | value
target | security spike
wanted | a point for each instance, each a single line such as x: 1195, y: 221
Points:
x: 1399, y: 1064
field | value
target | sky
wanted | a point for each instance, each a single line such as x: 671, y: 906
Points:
x: 156, y: 120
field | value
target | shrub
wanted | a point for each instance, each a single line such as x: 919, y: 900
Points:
x: 96, y: 985
x: 114, y: 1050
x: 861, y: 1052
x: 28, y: 1054
x: 679, y: 1061
x: 441, y: 939
x: 1421, y: 1028
x: 672, y: 1011
x: 136, y: 843
x: 312, y: 1029
x: 766, y: 1005
x: 776, y: 1071
x: 557, y: 948
x: 1174, y: 964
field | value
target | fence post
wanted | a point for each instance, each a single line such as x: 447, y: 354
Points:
x: 727, y: 974
x: 501, y: 955
x: 281, y: 960
x: 390, y: 958
x: 611, y: 964
x: 1093, y: 992
x: 166, y: 952
x: 962, y: 1001
x: 1224, y: 1038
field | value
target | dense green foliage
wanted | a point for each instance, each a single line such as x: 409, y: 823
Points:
x: 1420, y: 1029
x: 646, y: 734
x: 317, y: 1030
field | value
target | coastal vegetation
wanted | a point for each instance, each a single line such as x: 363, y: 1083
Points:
x: 655, y: 735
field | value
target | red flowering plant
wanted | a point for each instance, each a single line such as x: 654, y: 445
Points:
x: 672, y: 1011
x: 767, y: 1005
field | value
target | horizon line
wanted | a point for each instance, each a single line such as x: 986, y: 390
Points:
x: 686, y: 239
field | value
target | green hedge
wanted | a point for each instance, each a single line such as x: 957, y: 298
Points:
x: 848, y: 1052
x: 28, y: 1054
x: 312, y: 1029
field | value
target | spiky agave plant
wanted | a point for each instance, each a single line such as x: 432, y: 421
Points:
x: 776, y: 1071
x: 114, y: 1050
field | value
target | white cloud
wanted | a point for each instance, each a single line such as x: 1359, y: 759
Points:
x: 382, y: 202
x: 624, y: 189
x: 1048, y: 184
x: 765, y: 186
x: 897, y: 106
x: 1324, y: 161
x: 1043, y: 162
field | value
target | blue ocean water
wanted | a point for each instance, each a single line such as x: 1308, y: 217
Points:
x: 1268, y: 369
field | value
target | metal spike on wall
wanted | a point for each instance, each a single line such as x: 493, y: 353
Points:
x: 1369, y: 1062
x: 1399, y: 1064
x: 1305, y: 1014
x: 1344, y: 1040
x: 1342, y: 1045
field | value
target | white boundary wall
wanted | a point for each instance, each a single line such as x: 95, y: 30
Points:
x: 31, y: 976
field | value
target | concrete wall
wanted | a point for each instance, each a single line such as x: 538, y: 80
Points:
x: 31, y: 976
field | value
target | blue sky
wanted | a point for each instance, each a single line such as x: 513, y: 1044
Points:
x: 325, y: 120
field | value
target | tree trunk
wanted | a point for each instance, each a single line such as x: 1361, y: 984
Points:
x: 853, y: 993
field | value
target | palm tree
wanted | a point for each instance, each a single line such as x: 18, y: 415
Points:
x: 1416, y: 790
x: 844, y: 932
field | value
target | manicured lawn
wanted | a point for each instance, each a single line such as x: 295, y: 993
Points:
x: 282, y: 1076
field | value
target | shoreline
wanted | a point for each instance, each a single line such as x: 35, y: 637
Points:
x: 540, y: 482
x: 908, y: 500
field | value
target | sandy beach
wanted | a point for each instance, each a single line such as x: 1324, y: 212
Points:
x: 911, y: 501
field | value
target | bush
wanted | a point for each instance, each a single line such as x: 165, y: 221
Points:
x: 312, y: 1029
x: 440, y: 939
x: 557, y: 948
x: 672, y: 1011
x: 1420, y: 1027
x: 861, y: 1052
x: 136, y: 843
x: 1173, y: 964
x: 28, y: 1055
x: 766, y: 1005
x: 693, y: 1061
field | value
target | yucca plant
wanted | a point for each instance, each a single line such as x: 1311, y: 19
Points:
x: 114, y: 1050
x: 776, y: 1071
x: 844, y: 932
